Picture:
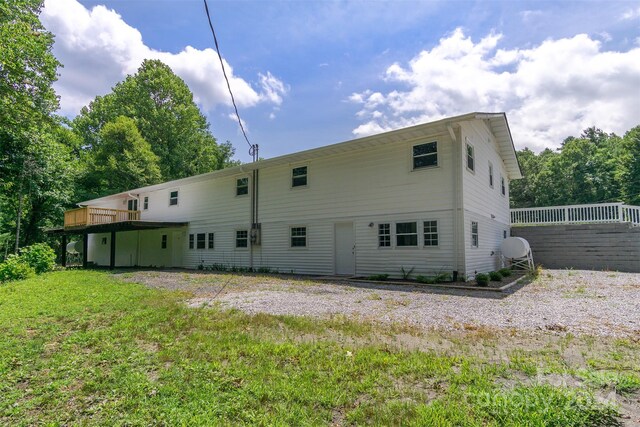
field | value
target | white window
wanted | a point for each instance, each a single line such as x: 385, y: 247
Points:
x: 425, y: 155
x: 145, y: 204
x: 200, y: 241
x: 384, y: 235
x: 242, y: 186
x: 191, y: 241
x: 430, y: 233
x: 132, y: 205
x: 163, y: 242
x: 299, y: 176
x: 503, y: 186
x: 298, y: 237
x: 211, y: 236
x: 490, y: 175
x: 474, y: 234
x: 173, y: 198
x: 470, y: 158
x: 406, y: 234
x: 242, y: 238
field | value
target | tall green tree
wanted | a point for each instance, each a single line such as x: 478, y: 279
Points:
x: 122, y: 159
x: 27, y: 103
x: 629, y: 174
x: 166, y: 116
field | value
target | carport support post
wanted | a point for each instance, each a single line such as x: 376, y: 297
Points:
x: 63, y: 255
x: 112, y: 257
x: 85, y: 247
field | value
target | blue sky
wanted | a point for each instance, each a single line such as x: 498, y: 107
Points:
x: 311, y: 73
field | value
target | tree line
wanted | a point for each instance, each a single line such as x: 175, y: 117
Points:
x: 148, y: 130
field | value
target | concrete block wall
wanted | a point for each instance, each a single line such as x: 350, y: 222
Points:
x: 586, y: 247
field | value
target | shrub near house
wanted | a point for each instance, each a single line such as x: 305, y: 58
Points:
x: 32, y: 260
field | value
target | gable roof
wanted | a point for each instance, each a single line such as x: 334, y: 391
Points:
x: 496, y: 121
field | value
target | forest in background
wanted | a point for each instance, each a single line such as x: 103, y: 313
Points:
x: 148, y: 129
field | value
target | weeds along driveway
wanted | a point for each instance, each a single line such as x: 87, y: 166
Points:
x: 579, y: 302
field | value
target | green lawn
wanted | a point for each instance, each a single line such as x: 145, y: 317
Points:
x: 80, y: 347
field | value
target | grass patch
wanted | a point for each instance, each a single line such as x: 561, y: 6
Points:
x: 81, y: 347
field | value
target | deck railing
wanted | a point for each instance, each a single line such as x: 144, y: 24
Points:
x: 89, y: 215
x: 577, y: 214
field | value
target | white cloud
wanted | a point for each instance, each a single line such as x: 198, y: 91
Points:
x: 98, y: 49
x: 631, y: 14
x: 549, y: 91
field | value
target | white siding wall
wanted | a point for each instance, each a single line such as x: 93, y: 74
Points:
x: 483, y: 204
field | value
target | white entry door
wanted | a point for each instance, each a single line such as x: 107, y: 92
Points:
x: 176, y: 249
x: 345, y: 248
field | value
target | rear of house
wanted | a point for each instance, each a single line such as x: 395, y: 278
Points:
x: 432, y: 198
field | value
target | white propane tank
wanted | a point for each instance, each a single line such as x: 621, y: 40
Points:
x: 514, y: 247
x: 74, y: 247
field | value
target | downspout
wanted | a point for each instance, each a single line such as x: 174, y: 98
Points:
x: 456, y: 204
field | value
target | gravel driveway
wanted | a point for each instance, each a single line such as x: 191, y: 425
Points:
x: 580, y: 302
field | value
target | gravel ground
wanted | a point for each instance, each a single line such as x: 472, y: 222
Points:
x: 580, y: 302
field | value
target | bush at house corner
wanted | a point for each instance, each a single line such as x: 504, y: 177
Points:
x: 32, y: 260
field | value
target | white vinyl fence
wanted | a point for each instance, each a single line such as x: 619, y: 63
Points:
x: 577, y: 214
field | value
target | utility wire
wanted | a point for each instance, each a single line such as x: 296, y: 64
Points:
x: 252, y: 147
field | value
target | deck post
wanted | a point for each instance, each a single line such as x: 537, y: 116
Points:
x: 85, y: 247
x: 63, y: 255
x: 112, y: 256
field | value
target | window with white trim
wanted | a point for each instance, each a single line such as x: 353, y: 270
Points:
x: 299, y: 176
x: 145, y: 204
x: 425, y: 155
x: 490, y: 175
x: 242, y: 186
x: 200, y: 241
x: 430, y: 233
x: 211, y: 240
x: 503, y: 186
x: 298, y: 237
x: 173, y: 198
x: 191, y: 241
x: 242, y: 238
x: 406, y: 234
x: 384, y: 235
x: 471, y: 165
x: 474, y: 234
x: 163, y: 242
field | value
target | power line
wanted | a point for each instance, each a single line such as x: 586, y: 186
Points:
x: 253, y: 148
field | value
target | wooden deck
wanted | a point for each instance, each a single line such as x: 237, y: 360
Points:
x: 89, y: 215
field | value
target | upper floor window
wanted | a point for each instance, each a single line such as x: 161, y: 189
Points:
x: 242, y: 186
x: 490, y: 175
x: 425, y: 155
x: 430, y: 233
x: 298, y: 237
x: 470, y: 158
x: 132, y: 204
x: 299, y: 176
x: 173, y: 198
x: 242, y: 238
x: 503, y: 186
x: 406, y: 234
x: 384, y: 235
x: 145, y: 204
x: 474, y: 234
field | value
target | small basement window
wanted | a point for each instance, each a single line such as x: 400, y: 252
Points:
x: 470, y: 158
x: 299, y: 176
x: 384, y: 235
x: 200, y: 242
x: 211, y: 240
x: 191, y: 241
x: 242, y: 238
x: 474, y: 234
x: 298, y: 237
x: 425, y: 155
x: 406, y: 234
x: 173, y: 198
x: 163, y: 243
x: 242, y: 186
x: 430, y: 233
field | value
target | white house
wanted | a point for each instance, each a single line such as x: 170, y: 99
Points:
x: 433, y: 198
